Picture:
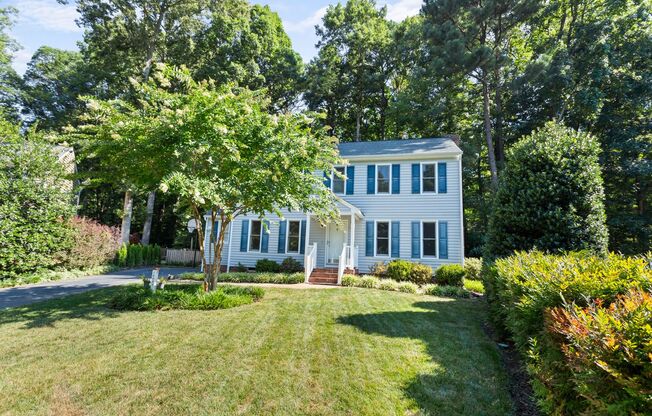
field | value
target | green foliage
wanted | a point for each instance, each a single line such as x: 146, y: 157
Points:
x: 291, y: 265
x: 421, y: 274
x: 450, y: 275
x: 550, y: 195
x: 244, y: 277
x: 475, y: 286
x: 407, y: 287
x: 136, y: 255
x: 53, y: 275
x: 400, y: 270
x: 34, y: 204
x: 10, y: 82
x: 521, y: 288
x: 405, y: 270
x: 378, y: 269
x: 446, y: 291
x: 267, y: 266
x: 608, y: 350
x: 472, y: 268
x: 122, y: 254
x: 184, y: 297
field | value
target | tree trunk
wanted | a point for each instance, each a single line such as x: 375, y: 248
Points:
x: 147, y: 228
x: 498, y: 128
x: 127, y: 210
x: 487, y: 132
x: 357, y: 126
x: 219, y: 246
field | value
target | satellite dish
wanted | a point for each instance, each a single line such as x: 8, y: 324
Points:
x: 192, y: 225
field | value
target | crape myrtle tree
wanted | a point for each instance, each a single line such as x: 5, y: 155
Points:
x: 220, y: 149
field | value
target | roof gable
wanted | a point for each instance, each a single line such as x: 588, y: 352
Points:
x: 393, y: 148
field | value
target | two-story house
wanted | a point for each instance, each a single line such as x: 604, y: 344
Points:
x: 398, y: 199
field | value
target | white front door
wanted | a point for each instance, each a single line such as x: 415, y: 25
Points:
x: 335, y: 238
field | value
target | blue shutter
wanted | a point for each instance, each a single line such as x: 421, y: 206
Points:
x: 264, y: 243
x: 369, y: 239
x: 416, y: 239
x: 327, y: 180
x: 441, y: 173
x: 302, y: 238
x: 281, y: 236
x: 416, y: 178
x: 350, y: 176
x: 371, y: 179
x: 396, y: 179
x: 244, y: 235
x: 443, y: 239
x: 396, y: 239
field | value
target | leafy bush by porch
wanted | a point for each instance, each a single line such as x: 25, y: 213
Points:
x: 450, y: 275
x: 244, y: 277
x: 403, y: 270
x: 267, y: 266
x: 372, y: 282
x: 189, y: 296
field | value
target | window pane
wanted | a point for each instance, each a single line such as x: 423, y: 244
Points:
x: 429, y: 247
x: 255, y: 227
x: 294, y: 228
x: 382, y: 246
x: 255, y: 242
x: 383, y: 229
x: 254, y: 239
x: 428, y: 178
x: 429, y: 171
x: 293, y: 244
x: 383, y: 179
x: 429, y: 230
x: 293, y: 236
x: 428, y: 185
x: 338, y: 182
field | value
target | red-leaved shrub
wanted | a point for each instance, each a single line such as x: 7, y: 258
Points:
x: 93, y: 245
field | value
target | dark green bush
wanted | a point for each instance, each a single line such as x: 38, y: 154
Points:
x: 267, y: 266
x: 550, y: 195
x: 522, y: 288
x: 183, y: 297
x: 399, y: 270
x: 421, y: 274
x: 450, y: 275
x: 290, y: 265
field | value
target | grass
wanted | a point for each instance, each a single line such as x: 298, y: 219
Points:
x: 50, y: 275
x: 183, y: 296
x: 245, y: 277
x: 342, y: 351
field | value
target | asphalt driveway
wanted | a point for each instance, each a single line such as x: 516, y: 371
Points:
x: 23, y: 295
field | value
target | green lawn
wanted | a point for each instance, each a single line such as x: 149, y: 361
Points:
x: 319, y: 352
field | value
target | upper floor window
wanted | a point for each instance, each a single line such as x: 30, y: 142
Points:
x: 429, y: 239
x: 339, y: 181
x: 254, y: 235
x: 428, y: 177
x: 383, y: 179
x: 294, y: 232
x: 382, y: 238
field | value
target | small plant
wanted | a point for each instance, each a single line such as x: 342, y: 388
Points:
x: 121, y: 256
x: 421, y: 274
x: 446, y: 291
x: 474, y: 286
x: 350, y: 280
x: 370, y: 282
x: 407, y: 287
x: 388, y: 284
x: 400, y: 270
x: 291, y: 265
x: 472, y: 268
x: 267, y: 266
x: 378, y: 269
x: 450, y: 275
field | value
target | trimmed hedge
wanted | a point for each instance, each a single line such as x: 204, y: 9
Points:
x: 404, y: 270
x: 450, y: 275
x: 244, y: 277
x: 137, y: 255
x: 523, y: 288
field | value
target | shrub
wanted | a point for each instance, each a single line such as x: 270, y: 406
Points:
x: 450, y: 275
x: 387, y: 284
x: 399, y: 269
x: 407, y: 287
x: 446, y: 291
x: 183, y: 297
x: 421, y: 274
x: 93, y: 244
x: 608, y: 350
x: 290, y: 265
x: 241, y: 268
x: 472, y: 268
x: 244, y: 277
x: 350, y: 280
x: 550, y: 195
x: 370, y: 282
x: 266, y: 265
x: 523, y: 287
x: 121, y: 256
x: 378, y: 269
x: 474, y: 286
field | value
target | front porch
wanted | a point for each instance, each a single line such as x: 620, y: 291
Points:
x: 331, y: 250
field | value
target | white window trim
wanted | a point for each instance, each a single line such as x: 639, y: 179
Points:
x: 421, y: 254
x: 436, y: 191
x: 389, y: 179
x: 287, y: 237
x: 389, y: 239
x: 260, y: 241
x: 333, y: 180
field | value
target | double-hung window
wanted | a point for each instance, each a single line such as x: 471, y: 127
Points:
x: 428, y: 177
x: 255, y: 234
x: 338, y: 181
x: 382, y: 238
x: 429, y: 239
x: 383, y: 179
x: 294, y: 232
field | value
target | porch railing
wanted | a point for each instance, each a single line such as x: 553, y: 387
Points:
x: 348, y: 260
x: 310, y: 260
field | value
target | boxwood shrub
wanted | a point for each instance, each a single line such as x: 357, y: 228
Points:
x: 267, y: 266
x: 450, y: 275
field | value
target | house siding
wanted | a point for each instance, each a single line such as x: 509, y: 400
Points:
x: 404, y: 207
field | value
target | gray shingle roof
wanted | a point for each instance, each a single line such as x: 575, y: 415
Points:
x: 399, y: 147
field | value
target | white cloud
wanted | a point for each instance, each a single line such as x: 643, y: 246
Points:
x: 401, y: 9
x: 307, y: 24
x: 48, y: 14
x: 21, y: 58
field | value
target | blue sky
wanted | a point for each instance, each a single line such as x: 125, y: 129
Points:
x: 46, y: 22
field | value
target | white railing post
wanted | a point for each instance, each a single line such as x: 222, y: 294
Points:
x: 342, y: 264
x: 310, y: 261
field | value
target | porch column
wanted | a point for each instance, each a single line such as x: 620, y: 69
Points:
x: 352, y: 248
x: 306, y: 249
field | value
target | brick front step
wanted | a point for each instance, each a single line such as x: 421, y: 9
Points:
x: 322, y: 281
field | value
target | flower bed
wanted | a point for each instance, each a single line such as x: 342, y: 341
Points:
x: 244, y: 277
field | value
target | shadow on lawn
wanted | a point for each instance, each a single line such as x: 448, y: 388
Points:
x: 90, y: 305
x: 467, y: 379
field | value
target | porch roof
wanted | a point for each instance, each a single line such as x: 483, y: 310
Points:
x: 348, y: 208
